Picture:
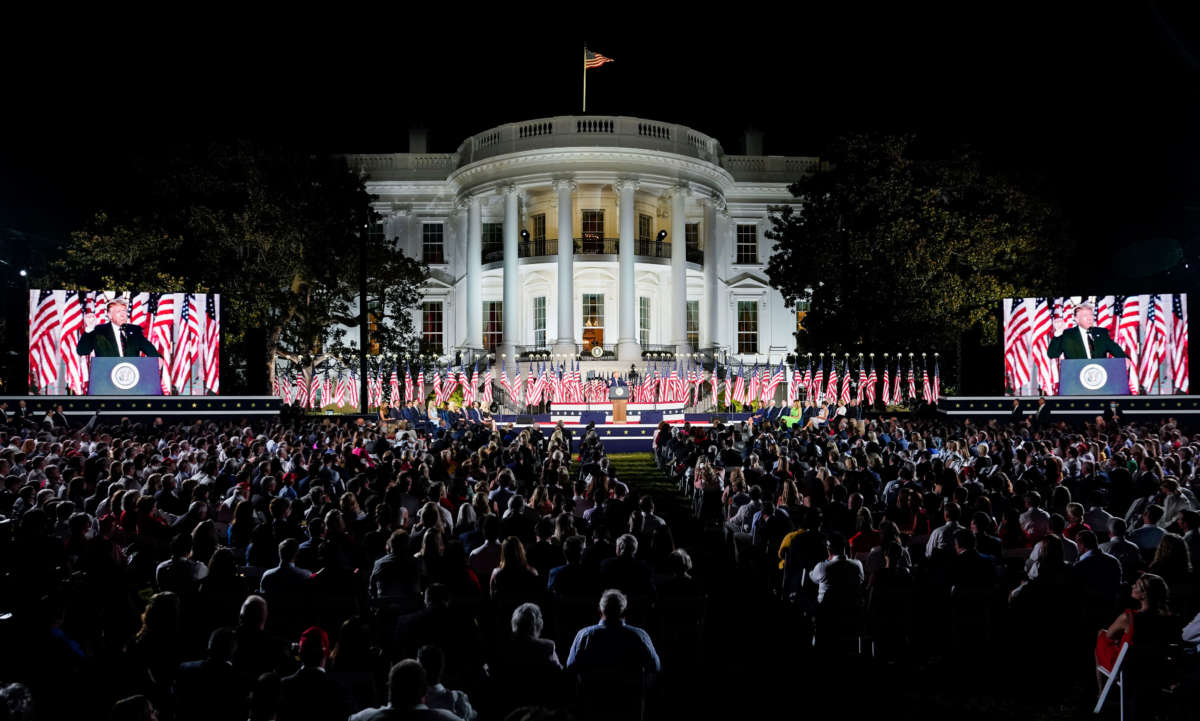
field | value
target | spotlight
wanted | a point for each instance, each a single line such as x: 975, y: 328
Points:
x: 525, y: 235
x: 661, y: 235
x: 22, y: 273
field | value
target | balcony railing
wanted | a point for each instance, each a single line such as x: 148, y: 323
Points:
x: 589, y: 246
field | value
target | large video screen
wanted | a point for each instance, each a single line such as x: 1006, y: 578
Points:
x: 68, y: 328
x: 1151, y: 330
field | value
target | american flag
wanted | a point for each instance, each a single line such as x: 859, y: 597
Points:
x: 844, y: 398
x: 212, y: 345
x: 807, y: 382
x: 420, y: 389
x: 314, y: 388
x: 752, y: 385
x: 887, y: 387
x: 872, y: 379
x: 1104, y: 315
x: 99, y: 307
x: 862, y: 383
x: 71, y: 323
x: 739, y: 387
x: 301, y: 391
x: 1127, y: 336
x: 162, y: 309
x: 795, y: 381
x: 831, y: 389
x: 394, y: 383
x: 593, y: 60
x: 326, y: 390
x: 1043, y: 330
x: 728, y: 387
x: 409, y: 390
x: 937, y: 382
x: 188, y: 343
x: 1179, y: 345
x: 897, y: 396
x: 437, y: 386
x: 1154, y: 347
x: 912, y: 380
x: 43, y: 320
x: 1065, y: 308
x: 648, y: 387
x: 139, y: 313
x: 926, y: 391
x: 530, y: 383
x: 777, y: 377
x: 1016, y: 346
x: 818, y: 387
x: 507, y: 385
x: 486, y: 398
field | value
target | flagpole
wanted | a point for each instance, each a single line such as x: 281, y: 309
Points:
x: 584, y: 78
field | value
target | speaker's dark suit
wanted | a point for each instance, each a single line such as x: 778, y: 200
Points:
x: 1070, y: 343
x: 102, y: 339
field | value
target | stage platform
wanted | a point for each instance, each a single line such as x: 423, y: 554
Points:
x: 1079, y: 407
x: 77, y: 407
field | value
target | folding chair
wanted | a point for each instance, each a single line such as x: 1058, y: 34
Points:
x: 1117, y: 676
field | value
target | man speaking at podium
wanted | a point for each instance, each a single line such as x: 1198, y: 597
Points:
x: 1085, y: 340
x: 115, y: 338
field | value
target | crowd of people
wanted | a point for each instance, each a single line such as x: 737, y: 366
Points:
x: 317, y: 568
x: 324, y: 568
x: 1050, y: 545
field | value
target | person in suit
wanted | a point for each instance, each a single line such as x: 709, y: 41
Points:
x: 1097, y: 573
x: 970, y: 568
x: 407, y: 688
x: 1017, y: 414
x: 1043, y: 413
x: 626, y: 573
x: 118, y: 337
x: 310, y: 693
x: 1085, y: 340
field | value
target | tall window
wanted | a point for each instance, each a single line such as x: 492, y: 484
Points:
x: 539, y: 227
x: 432, y: 250
x: 645, y: 227
x: 691, y: 236
x: 747, y: 331
x: 693, y: 323
x: 593, y: 310
x: 375, y: 229
x: 431, y: 327
x: 747, y: 243
x: 539, y: 321
x: 493, y: 242
x: 493, y: 324
x: 644, y: 321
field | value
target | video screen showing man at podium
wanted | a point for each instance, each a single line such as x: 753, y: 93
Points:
x: 1109, y: 344
x: 171, y: 339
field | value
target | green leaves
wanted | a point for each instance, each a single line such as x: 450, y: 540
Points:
x: 902, y: 245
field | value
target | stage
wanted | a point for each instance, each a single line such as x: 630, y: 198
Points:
x: 78, y: 408
x: 1077, y: 407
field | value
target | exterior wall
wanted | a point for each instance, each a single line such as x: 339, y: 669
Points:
x: 413, y: 189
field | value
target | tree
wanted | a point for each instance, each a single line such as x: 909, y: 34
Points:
x: 278, y: 233
x: 898, y: 246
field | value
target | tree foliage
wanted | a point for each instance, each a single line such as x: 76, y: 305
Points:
x: 902, y: 247
x: 277, y: 233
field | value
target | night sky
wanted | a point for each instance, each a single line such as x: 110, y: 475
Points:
x: 1103, y: 104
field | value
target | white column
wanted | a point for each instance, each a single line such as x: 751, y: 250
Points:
x: 628, y: 348
x: 679, y: 271
x: 566, y: 269
x: 512, y: 284
x: 474, y: 245
x: 709, y: 302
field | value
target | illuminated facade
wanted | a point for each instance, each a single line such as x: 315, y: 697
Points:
x: 599, y: 236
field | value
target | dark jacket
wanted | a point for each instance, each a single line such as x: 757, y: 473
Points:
x: 103, y: 341
x: 1070, y: 343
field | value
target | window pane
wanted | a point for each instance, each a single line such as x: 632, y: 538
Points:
x: 493, y: 324
x: 493, y: 242
x: 747, y: 243
x: 539, y: 321
x: 644, y: 321
x: 431, y: 243
x: 593, y: 223
x: 645, y: 229
x: 691, y: 234
x: 593, y: 310
x: 747, y: 332
x: 693, y: 323
x: 539, y: 227
x: 431, y: 327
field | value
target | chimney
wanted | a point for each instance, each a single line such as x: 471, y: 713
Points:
x: 754, y: 141
x: 416, y: 140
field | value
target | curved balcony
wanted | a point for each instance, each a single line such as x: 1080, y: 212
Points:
x: 586, y: 246
x: 590, y: 131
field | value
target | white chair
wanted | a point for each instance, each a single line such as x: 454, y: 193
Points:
x: 1117, y: 676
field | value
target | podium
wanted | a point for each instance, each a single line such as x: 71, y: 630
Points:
x: 619, y: 395
x: 1093, y: 377
x: 124, y: 376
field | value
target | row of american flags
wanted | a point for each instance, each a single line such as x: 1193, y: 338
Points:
x: 683, y: 383
x: 185, y: 328
x: 1151, y: 329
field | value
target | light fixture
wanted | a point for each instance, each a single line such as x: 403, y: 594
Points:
x: 661, y: 235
